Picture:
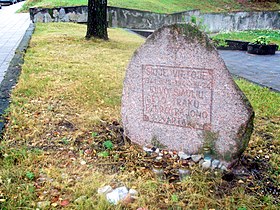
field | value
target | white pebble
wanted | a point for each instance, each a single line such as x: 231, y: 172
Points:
x: 183, y: 156
x: 215, y: 164
x: 196, y: 158
x: 117, y: 195
x: 224, y: 168
x: 206, y: 164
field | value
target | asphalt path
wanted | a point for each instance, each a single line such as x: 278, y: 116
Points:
x: 261, y: 69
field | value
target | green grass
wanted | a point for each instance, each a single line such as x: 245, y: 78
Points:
x: 266, y: 103
x: 17, y: 189
x: 165, y: 6
x: 68, y: 91
x: 272, y: 35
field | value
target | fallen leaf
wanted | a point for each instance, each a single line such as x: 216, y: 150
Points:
x: 64, y: 202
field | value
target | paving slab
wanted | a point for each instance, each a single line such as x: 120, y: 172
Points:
x: 12, y: 28
x: 261, y: 69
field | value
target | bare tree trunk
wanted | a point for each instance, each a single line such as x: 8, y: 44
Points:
x: 97, y: 19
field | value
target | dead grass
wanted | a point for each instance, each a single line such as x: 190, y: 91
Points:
x: 82, y: 91
x: 67, y: 103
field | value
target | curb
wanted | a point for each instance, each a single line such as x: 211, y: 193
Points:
x: 12, y: 75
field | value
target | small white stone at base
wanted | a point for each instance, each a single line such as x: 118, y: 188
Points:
x: 215, y: 164
x: 117, y: 195
x: 224, y: 168
x: 196, y: 158
x: 183, y: 155
x: 200, y: 162
x: 206, y: 164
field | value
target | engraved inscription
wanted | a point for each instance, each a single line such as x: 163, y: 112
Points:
x: 178, y: 96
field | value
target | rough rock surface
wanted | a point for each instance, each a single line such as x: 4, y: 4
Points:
x: 179, y: 94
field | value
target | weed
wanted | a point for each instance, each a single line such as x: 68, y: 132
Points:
x: 199, y: 22
x: 30, y: 175
x: 103, y: 154
x: 94, y: 134
x: 174, y: 198
x: 116, y: 157
x: 193, y: 19
x: 108, y: 145
x: 65, y: 140
x: 156, y: 143
x: 219, y: 42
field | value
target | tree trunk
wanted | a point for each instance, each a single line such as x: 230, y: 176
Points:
x: 97, y: 19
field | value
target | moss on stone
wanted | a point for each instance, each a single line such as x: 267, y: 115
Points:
x: 210, y: 139
x: 156, y: 143
x: 227, y: 156
x: 244, y: 135
x: 191, y: 32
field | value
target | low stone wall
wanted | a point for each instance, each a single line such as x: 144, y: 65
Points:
x: 136, y: 19
x: 62, y: 14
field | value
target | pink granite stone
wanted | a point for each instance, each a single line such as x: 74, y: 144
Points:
x: 179, y: 94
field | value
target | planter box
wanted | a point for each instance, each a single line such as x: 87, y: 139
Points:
x: 262, y: 49
x: 234, y: 45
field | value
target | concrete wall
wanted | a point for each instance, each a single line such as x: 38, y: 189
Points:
x: 241, y: 21
x: 136, y: 19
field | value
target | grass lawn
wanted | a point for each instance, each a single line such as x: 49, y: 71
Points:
x: 67, y: 104
x: 166, y: 6
x: 272, y: 35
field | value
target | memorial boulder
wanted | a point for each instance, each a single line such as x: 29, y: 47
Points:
x: 179, y: 95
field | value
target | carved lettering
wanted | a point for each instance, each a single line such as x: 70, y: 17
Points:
x: 178, y: 96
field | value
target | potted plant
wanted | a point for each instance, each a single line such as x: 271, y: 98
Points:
x: 262, y: 46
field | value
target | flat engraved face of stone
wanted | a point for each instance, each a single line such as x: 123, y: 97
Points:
x: 177, y: 96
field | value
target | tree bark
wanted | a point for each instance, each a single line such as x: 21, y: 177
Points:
x: 97, y: 19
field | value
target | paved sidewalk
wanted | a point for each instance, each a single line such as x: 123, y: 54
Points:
x: 261, y: 69
x: 12, y: 28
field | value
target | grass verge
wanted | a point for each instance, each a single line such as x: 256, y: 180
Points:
x: 67, y: 105
x: 272, y: 35
x: 166, y: 6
